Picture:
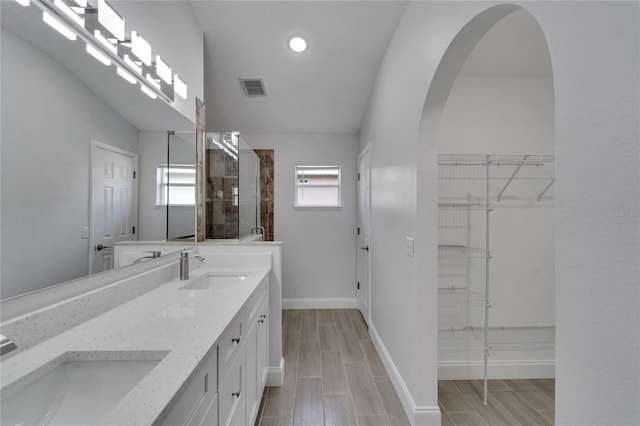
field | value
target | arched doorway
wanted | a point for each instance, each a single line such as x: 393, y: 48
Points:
x: 490, y: 112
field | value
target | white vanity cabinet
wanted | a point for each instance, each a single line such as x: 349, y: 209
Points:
x: 257, y: 349
x: 199, y: 399
x: 227, y: 390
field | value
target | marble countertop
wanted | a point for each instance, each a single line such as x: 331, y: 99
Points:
x: 184, y: 323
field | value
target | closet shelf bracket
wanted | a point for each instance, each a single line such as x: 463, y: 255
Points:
x: 546, y: 189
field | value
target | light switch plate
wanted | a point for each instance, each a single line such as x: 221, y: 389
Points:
x: 85, y: 232
x: 409, y: 246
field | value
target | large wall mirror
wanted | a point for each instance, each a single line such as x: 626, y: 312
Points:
x: 68, y: 121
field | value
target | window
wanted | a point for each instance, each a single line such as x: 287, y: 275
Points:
x: 176, y: 185
x: 318, y: 186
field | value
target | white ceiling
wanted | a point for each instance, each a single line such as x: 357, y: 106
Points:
x: 326, y: 89
x: 323, y: 90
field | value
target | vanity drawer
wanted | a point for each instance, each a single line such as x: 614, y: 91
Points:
x: 254, y: 301
x: 232, y: 396
x: 230, y: 343
x: 197, y: 397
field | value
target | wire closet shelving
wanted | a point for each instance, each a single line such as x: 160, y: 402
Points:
x: 471, y: 186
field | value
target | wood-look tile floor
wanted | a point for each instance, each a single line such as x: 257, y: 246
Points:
x: 333, y: 374
x: 510, y: 402
x: 334, y: 377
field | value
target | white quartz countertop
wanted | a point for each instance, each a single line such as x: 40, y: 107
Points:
x: 184, y: 323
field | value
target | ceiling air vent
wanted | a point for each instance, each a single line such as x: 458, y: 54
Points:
x: 253, y: 87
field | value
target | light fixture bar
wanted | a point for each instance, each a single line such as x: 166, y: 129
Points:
x: 24, y: 2
x: 70, y: 13
x: 106, y: 43
x: 125, y: 75
x: 58, y: 26
x: 163, y: 70
x: 179, y: 87
x: 153, y: 81
x: 111, y: 20
x: 141, y: 48
x: 148, y: 91
x: 98, y: 55
x: 136, y: 67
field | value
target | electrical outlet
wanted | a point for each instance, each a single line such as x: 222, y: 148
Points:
x: 85, y: 232
x: 409, y: 245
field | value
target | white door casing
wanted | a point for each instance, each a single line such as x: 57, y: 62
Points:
x: 363, y: 295
x: 114, y: 202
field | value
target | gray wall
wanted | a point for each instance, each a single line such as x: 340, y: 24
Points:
x: 319, y: 254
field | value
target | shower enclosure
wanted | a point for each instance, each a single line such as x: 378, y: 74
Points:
x: 232, y: 204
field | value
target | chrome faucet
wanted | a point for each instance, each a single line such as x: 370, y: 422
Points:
x: 257, y: 229
x: 184, y: 264
x: 152, y: 255
x: 6, y: 345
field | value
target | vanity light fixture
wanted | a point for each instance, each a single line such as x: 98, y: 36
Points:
x: 179, y: 87
x: 128, y: 77
x: 297, y: 44
x: 58, y: 26
x: 98, y: 55
x: 136, y: 66
x: 163, y: 70
x: 141, y: 48
x: 148, y: 92
x: 110, y: 19
x: 155, y: 83
x: 106, y: 43
x: 70, y: 13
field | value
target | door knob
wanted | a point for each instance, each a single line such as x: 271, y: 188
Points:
x: 100, y: 247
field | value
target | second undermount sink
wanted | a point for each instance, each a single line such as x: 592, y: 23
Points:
x: 215, y: 280
x: 75, y: 392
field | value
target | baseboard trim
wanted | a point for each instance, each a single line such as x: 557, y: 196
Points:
x: 418, y: 416
x: 319, y: 303
x: 275, y: 375
x: 516, y: 369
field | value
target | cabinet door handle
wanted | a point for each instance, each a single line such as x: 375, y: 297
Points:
x: 263, y: 316
x: 235, y: 340
x: 236, y: 394
x: 261, y: 321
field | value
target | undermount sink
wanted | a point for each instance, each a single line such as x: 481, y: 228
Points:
x: 212, y: 281
x: 75, y: 391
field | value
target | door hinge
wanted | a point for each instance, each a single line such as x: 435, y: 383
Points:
x: 358, y: 230
x: 134, y: 174
x: 358, y: 286
x: 134, y: 229
x: 358, y: 176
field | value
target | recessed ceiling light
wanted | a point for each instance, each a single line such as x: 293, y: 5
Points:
x: 297, y: 44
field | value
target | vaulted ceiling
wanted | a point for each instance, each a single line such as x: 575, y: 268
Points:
x: 326, y: 88
x: 322, y: 90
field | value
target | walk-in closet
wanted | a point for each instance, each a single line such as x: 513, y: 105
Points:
x: 496, y: 180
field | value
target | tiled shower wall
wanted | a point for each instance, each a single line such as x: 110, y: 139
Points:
x: 266, y: 191
x: 222, y: 177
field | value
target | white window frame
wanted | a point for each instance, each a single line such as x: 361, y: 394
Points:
x: 161, y: 184
x: 297, y: 185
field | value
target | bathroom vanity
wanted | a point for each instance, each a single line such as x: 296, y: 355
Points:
x: 192, y: 352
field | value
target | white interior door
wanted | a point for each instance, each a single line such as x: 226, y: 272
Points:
x: 364, y: 228
x: 113, y: 202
